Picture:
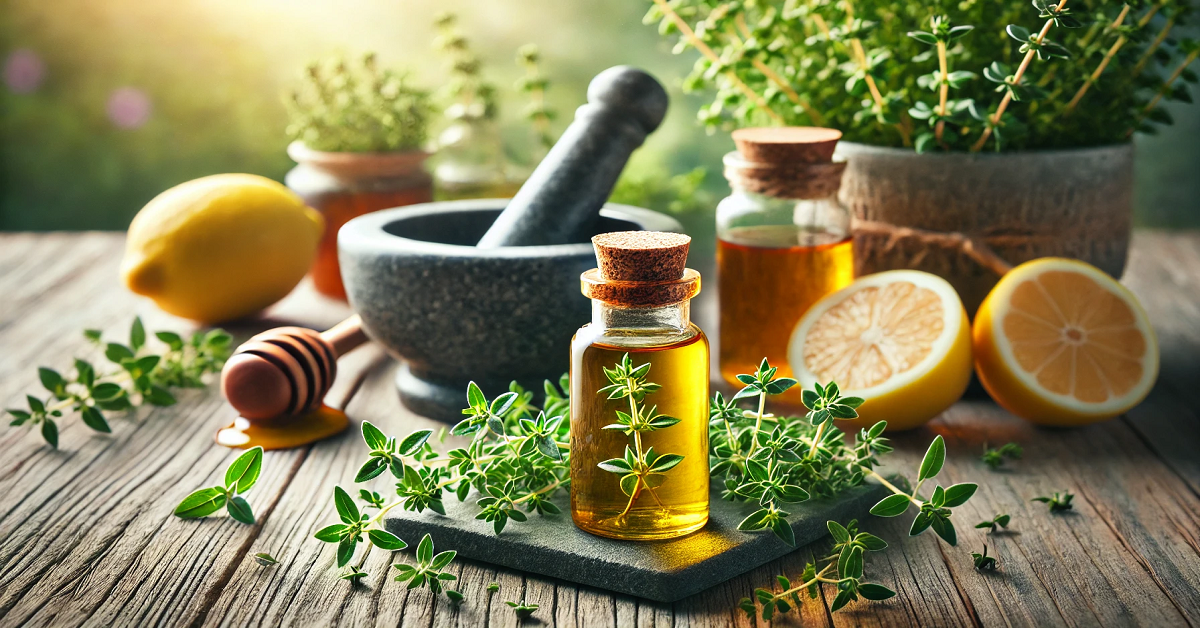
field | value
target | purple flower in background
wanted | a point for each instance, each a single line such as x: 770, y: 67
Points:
x: 128, y: 107
x: 23, y: 71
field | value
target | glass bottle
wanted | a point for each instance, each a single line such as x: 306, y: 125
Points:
x: 471, y: 162
x: 345, y: 185
x: 783, y: 242
x: 640, y: 294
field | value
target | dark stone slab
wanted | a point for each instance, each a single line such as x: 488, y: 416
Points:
x: 663, y: 571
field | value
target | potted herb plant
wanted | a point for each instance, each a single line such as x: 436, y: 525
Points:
x: 976, y: 130
x: 358, y: 132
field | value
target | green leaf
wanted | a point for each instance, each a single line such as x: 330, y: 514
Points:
x: 51, y: 380
x: 783, y: 530
x: 923, y: 37
x: 50, y: 432
x: 386, y: 540
x: 891, y: 506
x: 117, y: 352
x: 170, y: 338
x: 958, y: 494
x: 345, y: 550
x: 920, y: 523
x: 843, y: 598
x: 945, y: 529
x: 265, y: 559
x: 373, y: 436
x: 331, y: 533
x: 137, y: 334
x: 94, y: 419
x: 413, y: 442
x: 839, y: 532
x: 406, y: 572
x: 159, y: 396
x: 1017, y: 32
x: 240, y: 510
x: 92, y: 334
x: 371, y: 469
x: 872, y: 591
x: 757, y: 520
x: 106, y: 391
x: 425, y: 550
x: 871, y: 542
x: 629, y: 484
x: 201, y: 503
x: 244, y: 471
x: 501, y: 404
x: 615, y: 465
x: 346, y: 507
x: 934, y: 458
x: 666, y: 462
x: 443, y: 559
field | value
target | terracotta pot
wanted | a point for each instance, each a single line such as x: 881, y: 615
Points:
x: 343, y: 186
x: 928, y: 211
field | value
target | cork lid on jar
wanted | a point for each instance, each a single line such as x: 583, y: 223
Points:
x: 641, y: 269
x: 785, y: 162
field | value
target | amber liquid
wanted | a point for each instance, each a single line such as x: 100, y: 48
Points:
x: 284, y: 432
x: 769, y: 276
x: 680, y: 504
x: 338, y: 209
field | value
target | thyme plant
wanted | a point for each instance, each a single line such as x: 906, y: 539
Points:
x: 1104, y: 68
x: 357, y: 107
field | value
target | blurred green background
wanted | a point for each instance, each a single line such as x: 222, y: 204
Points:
x: 106, y: 104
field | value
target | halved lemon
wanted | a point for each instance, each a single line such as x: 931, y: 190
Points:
x: 898, y: 339
x: 1059, y: 342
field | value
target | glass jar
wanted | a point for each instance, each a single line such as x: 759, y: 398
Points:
x: 783, y: 243
x: 471, y: 163
x: 343, y: 186
x: 641, y: 363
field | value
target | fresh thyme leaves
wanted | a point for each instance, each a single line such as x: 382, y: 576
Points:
x: 1058, y: 502
x: 522, y: 609
x: 517, y: 461
x: 983, y: 562
x: 843, y: 567
x: 493, y: 587
x: 265, y: 559
x: 240, y: 476
x: 935, y: 511
x: 776, y: 460
x: 428, y: 570
x: 639, y: 468
x: 994, y: 458
x: 137, y: 376
x: 999, y: 521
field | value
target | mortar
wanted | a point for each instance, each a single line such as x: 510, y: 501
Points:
x: 454, y: 312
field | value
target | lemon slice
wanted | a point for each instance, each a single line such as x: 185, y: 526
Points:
x: 899, y: 339
x: 1059, y: 342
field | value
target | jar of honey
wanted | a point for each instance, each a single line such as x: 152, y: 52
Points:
x: 783, y: 242
x: 344, y: 185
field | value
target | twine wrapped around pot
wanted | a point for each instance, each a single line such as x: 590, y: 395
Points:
x: 968, y: 217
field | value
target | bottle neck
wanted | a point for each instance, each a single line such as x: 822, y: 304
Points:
x: 666, y: 319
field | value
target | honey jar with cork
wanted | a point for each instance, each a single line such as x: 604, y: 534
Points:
x: 783, y: 242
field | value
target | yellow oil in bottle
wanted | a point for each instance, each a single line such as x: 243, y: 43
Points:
x: 769, y: 276
x: 678, y: 505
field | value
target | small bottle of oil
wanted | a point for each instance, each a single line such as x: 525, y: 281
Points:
x: 783, y: 242
x: 639, y: 393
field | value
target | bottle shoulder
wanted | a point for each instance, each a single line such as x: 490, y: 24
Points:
x: 635, y: 340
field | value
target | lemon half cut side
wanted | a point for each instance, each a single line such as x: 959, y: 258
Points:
x: 899, y: 339
x: 1060, y: 342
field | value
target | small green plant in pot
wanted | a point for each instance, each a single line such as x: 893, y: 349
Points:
x: 1056, y: 89
x: 358, y: 134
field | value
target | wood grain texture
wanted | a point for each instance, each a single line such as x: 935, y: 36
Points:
x: 87, y: 536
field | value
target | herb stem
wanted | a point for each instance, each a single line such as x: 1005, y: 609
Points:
x: 762, y: 406
x: 892, y: 487
x: 1162, y: 90
x: 544, y: 489
x: 1103, y: 62
x: 987, y: 131
x: 1153, y: 47
x: 943, y: 92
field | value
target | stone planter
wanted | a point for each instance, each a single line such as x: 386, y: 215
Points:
x: 928, y: 211
x: 343, y: 186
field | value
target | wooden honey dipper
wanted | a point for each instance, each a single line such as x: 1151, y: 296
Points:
x: 286, y: 371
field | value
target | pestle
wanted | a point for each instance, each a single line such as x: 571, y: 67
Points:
x: 561, y: 200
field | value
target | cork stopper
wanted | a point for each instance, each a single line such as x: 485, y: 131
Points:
x: 789, y: 144
x: 641, y: 255
x: 641, y: 269
x: 785, y: 162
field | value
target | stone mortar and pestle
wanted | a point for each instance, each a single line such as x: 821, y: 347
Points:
x: 482, y: 290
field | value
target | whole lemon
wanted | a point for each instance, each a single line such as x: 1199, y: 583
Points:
x: 220, y: 247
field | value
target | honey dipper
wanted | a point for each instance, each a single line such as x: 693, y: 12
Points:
x: 286, y: 371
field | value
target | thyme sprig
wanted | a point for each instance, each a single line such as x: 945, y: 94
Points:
x: 1058, y: 501
x: 240, y: 476
x: 640, y: 468
x: 995, y: 523
x: 137, y: 375
x: 934, y: 511
x: 843, y: 567
x: 983, y: 562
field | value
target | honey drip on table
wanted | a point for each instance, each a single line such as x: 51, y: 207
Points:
x: 284, y: 432
x: 769, y: 276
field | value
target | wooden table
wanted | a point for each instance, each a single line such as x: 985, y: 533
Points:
x: 87, y: 535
